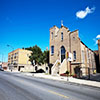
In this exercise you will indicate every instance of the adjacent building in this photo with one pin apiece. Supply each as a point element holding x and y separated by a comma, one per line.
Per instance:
<point>97,57</point>
<point>99,52</point>
<point>19,60</point>
<point>5,65</point>
<point>69,53</point>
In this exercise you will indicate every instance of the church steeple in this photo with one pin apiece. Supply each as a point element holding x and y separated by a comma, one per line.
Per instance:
<point>61,22</point>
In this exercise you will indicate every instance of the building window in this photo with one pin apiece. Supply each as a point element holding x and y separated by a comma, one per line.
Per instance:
<point>87,56</point>
<point>12,62</point>
<point>52,50</point>
<point>11,56</point>
<point>62,53</point>
<point>52,35</point>
<point>62,36</point>
<point>15,54</point>
<point>74,55</point>
<point>83,57</point>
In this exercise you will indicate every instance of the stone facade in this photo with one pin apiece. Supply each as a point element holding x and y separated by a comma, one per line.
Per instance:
<point>63,41</point>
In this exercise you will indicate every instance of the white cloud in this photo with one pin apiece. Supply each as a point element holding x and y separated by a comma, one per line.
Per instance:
<point>98,37</point>
<point>96,41</point>
<point>83,13</point>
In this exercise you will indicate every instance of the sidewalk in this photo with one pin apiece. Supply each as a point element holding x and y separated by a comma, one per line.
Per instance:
<point>65,79</point>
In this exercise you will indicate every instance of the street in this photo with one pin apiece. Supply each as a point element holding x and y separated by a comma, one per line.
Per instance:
<point>15,86</point>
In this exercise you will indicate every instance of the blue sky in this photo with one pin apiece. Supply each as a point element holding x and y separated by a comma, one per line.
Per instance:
<point>24,23</point>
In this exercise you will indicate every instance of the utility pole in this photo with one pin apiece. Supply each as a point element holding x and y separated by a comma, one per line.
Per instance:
<point>2,58</point>
<point>12,51</point>
<point>70,52</point>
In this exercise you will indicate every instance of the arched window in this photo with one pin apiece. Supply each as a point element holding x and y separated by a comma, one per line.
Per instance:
<point>62,50</point>
<point>62,53</point>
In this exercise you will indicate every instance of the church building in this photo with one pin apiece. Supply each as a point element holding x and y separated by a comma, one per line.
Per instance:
<point>68,52</point>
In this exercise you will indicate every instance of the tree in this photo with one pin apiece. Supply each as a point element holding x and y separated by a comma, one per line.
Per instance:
<point>36,55</point>
<point>46,57</point>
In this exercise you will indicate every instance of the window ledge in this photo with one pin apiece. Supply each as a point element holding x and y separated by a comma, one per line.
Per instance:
<point>52,54</point>
<point>74,60</point>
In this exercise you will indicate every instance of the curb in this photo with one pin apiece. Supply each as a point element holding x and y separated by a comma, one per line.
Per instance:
<point>64,79</point>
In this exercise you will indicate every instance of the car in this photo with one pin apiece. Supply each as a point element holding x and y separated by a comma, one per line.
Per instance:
<point>1,69</point>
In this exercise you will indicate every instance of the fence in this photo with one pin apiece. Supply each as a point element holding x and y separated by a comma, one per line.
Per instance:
<point>84,71</point>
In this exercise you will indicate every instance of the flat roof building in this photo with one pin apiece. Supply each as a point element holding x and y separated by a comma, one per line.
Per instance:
<point>18,59</point>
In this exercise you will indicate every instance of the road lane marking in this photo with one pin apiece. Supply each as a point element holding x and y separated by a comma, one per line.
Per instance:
<point>58,94</point>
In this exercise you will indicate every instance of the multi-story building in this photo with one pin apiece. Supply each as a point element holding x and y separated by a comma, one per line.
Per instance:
<point>19,59</point>
<point>64,42</point>
<point>97,52</point>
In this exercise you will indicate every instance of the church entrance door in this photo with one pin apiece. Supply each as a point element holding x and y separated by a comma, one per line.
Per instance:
<point>62,53</point>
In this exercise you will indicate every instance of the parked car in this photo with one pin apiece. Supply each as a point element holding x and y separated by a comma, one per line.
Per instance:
<point>1,69</point>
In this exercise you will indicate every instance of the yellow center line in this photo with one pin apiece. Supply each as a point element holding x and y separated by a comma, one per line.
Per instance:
<point>58,94</point>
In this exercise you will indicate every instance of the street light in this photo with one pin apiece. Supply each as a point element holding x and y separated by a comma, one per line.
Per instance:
<point>10,46</point>
<point>12,51</point>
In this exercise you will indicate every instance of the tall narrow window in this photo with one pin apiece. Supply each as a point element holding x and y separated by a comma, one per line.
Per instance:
<point>74,55</point>
<point>52,50</point>
<point>62,36</point>
<point>62,53</point>
<point>83,57</point>
<point>87,56</point>
<point>52,35</point>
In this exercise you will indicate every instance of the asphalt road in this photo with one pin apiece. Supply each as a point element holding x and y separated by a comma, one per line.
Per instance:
<point>15,86</point>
